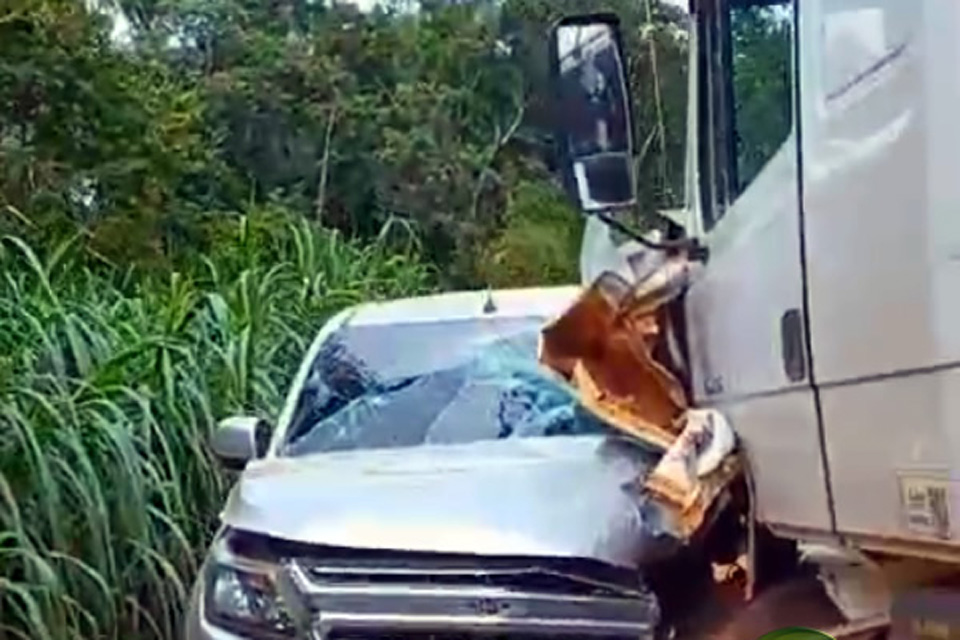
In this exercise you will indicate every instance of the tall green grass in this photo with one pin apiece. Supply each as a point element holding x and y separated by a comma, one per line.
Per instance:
<point>110,384</point>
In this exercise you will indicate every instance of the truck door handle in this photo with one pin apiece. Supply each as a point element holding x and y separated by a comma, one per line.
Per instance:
<point>791,345</point>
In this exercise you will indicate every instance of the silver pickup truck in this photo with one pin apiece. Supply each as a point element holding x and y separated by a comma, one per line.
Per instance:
<point>427,478</point>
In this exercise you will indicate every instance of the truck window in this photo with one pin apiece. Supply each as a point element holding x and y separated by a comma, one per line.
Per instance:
<point>745,106</point>
<point>761,51</point>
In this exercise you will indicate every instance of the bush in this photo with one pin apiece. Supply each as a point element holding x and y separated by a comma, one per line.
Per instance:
<point>540,242</point>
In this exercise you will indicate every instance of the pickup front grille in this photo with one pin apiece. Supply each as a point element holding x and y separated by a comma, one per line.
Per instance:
<point>449,600</point>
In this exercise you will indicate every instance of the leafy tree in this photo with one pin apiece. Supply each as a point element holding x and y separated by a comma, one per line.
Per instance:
<point>534,247</point>
<point>88,133</point>
<point>348,118</point>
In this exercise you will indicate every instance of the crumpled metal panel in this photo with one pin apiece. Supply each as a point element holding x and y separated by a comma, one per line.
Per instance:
<point>695,469</point>
<point>539,497</point>
<point>603,344</point>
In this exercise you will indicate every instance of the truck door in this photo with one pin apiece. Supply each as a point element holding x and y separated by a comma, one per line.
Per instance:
<point>747,314</point>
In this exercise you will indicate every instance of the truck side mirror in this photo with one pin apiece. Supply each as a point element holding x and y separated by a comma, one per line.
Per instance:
<point>240,439</point>
<point>593,116</point>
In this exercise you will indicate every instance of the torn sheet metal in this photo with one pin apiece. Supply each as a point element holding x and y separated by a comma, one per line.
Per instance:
<point>695,469</point>
<point>703,444</point>
<point>604,346</point>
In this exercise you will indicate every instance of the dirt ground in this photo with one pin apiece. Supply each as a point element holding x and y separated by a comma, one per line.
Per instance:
<point>724,616</point>
<point>797,602</point>
<point>698,608</point>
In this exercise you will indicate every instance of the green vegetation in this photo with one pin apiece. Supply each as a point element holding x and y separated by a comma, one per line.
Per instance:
<point>182,204</point>
<point>200,109</point>
<point>109,387</point>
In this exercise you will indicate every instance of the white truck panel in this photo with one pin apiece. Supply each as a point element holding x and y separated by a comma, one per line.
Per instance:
<point>784,452</point>
<point>881,161</point>
<point>865,145</point>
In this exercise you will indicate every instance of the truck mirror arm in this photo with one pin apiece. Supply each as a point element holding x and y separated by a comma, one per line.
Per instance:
<point>696,251</point>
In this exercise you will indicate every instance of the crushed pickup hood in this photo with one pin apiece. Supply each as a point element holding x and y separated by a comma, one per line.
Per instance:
<point>540,497</point>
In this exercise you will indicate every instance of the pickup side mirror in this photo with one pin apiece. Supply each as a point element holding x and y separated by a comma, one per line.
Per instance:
<point>594,124</point>
<point>240,439</point>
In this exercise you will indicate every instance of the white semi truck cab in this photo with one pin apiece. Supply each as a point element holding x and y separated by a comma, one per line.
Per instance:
<point>823,179</point>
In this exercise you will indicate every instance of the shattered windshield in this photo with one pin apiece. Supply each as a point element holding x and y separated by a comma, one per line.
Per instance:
<point>403,385</point>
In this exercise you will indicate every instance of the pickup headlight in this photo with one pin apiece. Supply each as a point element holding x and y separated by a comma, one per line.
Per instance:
<point>246,602</point>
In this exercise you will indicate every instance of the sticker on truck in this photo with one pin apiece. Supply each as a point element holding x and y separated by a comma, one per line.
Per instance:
<point>925,505</point>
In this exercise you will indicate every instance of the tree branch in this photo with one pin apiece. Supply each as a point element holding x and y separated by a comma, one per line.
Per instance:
<point>657,98</point>
<point>325,164</point>
<point>499,142</point>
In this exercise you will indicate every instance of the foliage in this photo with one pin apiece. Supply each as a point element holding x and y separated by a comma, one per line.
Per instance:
<point>87,133</point>
<point>111,384</point>
<point>761,85</point>
<point>534,247</point>
<point>343,117</point>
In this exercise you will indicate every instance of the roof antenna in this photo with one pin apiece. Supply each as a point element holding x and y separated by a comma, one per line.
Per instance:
<point>489,306</point>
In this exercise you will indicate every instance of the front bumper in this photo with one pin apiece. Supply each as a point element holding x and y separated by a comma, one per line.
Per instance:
<point>446,598</point>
